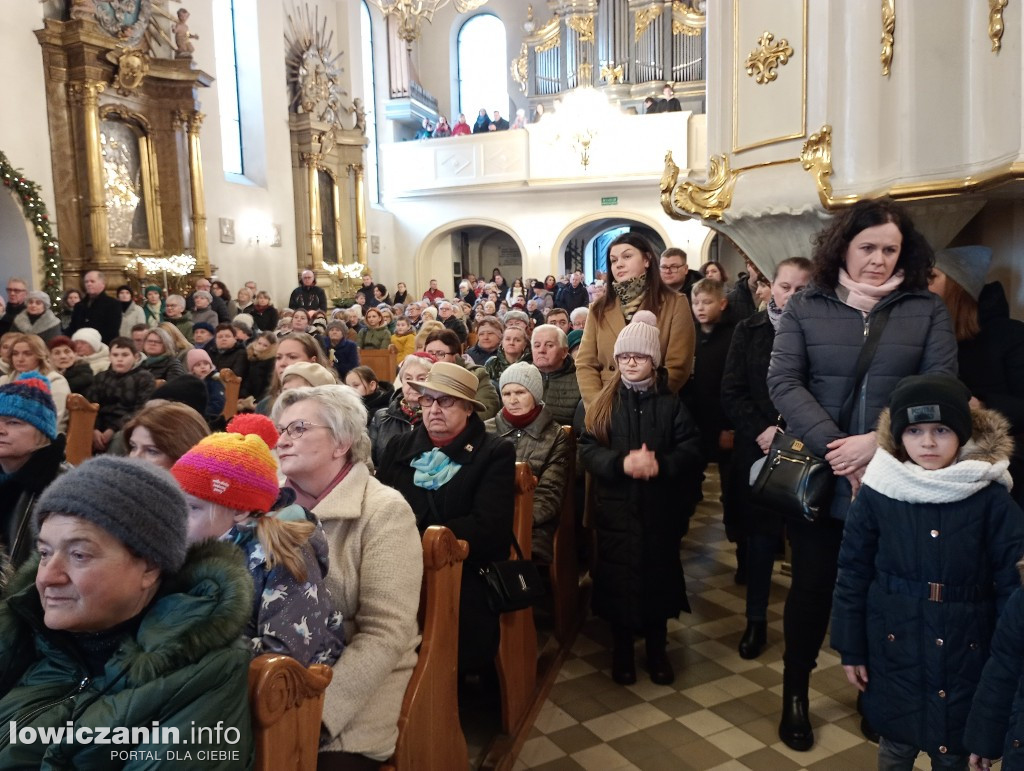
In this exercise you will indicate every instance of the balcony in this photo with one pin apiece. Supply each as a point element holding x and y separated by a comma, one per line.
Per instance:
<point>624,149</point>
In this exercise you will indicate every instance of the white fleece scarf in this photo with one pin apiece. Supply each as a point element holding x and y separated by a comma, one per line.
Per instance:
<point>910,483</point>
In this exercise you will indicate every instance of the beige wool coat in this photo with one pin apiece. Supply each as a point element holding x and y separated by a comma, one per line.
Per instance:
<point>595,363</point>
<point>375,574</point>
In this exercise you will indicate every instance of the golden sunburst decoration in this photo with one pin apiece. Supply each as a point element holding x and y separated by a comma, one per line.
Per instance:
<point>314,73</point>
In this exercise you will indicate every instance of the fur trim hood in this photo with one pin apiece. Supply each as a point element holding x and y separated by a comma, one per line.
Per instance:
<point>253,355</point>
<point>201,608</point>
<point>990,436</point>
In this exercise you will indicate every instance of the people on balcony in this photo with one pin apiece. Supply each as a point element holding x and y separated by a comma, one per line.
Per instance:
<point>461,128</point>
<point>483,123</point>
<point>498,123</point>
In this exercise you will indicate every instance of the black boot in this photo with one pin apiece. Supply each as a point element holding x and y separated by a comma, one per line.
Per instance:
<point>658,665</point>
<point>754,639</point>
<point>623,661</point>
<point>795,727</point>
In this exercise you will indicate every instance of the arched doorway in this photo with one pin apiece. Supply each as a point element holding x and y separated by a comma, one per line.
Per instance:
<point>586,247</point>
<point>17,250</point>
<point>461,248</point>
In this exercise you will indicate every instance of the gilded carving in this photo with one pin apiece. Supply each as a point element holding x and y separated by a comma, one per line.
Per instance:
<point>519,68</point>
<point>584,26</point>
<point>644,17</point>
<point>612,75</point>
<point>132,68</point>
<point>552,42</point>
<point>584,72</point>
<point>687,20</point>
<point>126,20</point>
<point>668,182</point>
<point>816,157</point>
<point>711,199</point>
<point>888,34</point>
<point>995,23</point>
<point>87,93</point>
<point>763,62</point>
<point>314,74</point>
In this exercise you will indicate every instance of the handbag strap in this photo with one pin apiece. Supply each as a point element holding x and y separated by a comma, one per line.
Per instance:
<point>515,545</point>
<point>867,352</point>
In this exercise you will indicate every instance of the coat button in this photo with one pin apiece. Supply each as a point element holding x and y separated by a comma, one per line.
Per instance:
<point>943,749</point>
<point>1015,744</point>
<point>974,646</point>
<point>890,637</point>
<point>935,533</point>
<point>942,694</point>
<point>939,642</point>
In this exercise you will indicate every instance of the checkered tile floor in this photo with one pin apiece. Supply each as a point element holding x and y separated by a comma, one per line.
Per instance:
<point>721,713</point>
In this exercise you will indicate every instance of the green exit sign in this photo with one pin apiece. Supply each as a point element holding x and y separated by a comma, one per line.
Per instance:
<point>611,200</point>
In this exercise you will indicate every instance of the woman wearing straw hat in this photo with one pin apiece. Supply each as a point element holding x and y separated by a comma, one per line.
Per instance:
<point>453,473</point>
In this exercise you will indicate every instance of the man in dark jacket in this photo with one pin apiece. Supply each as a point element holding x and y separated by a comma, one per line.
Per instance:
<point>308,295</point>
<point>447,316</point>
<point>574,294</point>
<point>17,293</point>
<point>742,302</point>
<point>366,290</point>
<point>550,348</point>
<point>97,309</point>
<point>675,273</point>
<point>227,352</point>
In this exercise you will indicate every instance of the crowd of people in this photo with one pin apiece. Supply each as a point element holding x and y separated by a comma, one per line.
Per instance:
<point>303,515</point>
<point>484,123</point>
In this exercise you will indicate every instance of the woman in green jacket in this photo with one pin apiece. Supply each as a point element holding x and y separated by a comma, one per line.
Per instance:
<point>116,631</point>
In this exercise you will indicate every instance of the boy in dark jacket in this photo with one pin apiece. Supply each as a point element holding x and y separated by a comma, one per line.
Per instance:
<point>120,391</point>
<point>927,562</point>
<point>226,352</point>
<point>702,394</point>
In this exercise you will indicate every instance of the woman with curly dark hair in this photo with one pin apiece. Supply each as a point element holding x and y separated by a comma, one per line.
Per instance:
<point>869,263</point>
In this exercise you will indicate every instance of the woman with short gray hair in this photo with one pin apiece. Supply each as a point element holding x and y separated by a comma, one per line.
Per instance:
<point>376,568</point>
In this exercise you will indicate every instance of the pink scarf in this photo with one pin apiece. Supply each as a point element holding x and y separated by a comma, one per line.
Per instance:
<point>865,297</point>
<point>310,501</point>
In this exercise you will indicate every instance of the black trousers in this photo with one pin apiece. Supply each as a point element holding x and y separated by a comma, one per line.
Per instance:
<point>809,604</point>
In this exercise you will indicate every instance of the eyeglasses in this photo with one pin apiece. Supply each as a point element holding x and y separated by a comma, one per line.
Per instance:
<point>297,428</point>
<point>426,402</point>
<point>636,358</point>
<point>15,290</point>
<point>671,268</point>
<point>440,354</point>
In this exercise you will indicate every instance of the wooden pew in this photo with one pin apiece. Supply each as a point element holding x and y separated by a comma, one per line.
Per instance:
<point>287,702</point>
<point>232,385</point>
<point>81,422</point>
<point>564,569</point>
<point>429,734</point>
<point>383,363</point>
<point>516,661</point>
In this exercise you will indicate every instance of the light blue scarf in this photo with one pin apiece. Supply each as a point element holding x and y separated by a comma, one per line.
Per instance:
<point>433,469</point>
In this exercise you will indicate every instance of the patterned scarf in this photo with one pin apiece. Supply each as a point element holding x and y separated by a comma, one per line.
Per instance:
<point>774,313</point>
<point>433,469</point>
<point>631,293</point>
<point>414,414</point>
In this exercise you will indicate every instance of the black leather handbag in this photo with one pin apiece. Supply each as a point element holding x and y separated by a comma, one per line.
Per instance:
<point>796,482</point>
<point>793,481</point>
<point>513,584</point>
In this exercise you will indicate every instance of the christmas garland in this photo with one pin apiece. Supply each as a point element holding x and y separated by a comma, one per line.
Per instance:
<point>35,212</point>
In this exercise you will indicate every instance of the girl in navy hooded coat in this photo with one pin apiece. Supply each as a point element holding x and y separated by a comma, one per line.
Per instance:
<point>927,562</point>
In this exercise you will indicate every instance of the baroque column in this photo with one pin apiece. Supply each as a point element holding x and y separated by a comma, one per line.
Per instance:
<point>360,193</point>
<point>312,162</point>
<point>195,169</point>
<point>87,95</point>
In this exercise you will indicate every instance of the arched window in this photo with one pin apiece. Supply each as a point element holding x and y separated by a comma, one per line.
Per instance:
<point>483,59</point>
<point>369,104</point>
<point>225,45</point>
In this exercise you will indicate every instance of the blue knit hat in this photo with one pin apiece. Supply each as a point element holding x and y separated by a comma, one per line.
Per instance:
<point>203,325</point>
<point>28,398</point>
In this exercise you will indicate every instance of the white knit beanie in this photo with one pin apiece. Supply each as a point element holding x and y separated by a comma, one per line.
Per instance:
<point>525,374</point>
<point>641,336</point>
<point>90,336</point>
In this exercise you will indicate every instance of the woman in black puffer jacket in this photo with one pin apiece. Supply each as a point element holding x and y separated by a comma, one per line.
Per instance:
<point>870,258</point>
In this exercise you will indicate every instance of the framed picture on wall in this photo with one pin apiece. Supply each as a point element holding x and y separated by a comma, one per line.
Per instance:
<point>227,230</point>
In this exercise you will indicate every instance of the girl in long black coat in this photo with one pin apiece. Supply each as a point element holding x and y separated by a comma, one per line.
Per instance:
<point>640,447</point>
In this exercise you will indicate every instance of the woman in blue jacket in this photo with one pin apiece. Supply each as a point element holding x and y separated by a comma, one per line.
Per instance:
<point>870,258</point>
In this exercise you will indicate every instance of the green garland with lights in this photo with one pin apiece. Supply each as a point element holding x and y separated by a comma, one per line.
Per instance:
<point>35,212</point>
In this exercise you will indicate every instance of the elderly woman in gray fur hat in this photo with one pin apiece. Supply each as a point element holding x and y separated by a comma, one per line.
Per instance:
<point>990,345</point>
<point>113,626</point>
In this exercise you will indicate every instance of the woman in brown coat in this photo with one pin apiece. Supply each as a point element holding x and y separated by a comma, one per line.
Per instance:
<point>634,282</point>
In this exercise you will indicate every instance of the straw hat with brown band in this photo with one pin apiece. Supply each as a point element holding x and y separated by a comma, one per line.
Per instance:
<point>453,380</point>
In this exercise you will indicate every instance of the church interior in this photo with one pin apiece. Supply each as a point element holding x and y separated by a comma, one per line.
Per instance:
<point>249,140</point>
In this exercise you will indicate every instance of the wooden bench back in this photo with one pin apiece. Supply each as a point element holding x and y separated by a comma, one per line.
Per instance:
<point>516,661</point>
<point>81,422</point>
<point>232,385</point>
<point>429,733</point>
<point>564,568</point>
<point>383,363</point>
<point>287,702</point>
